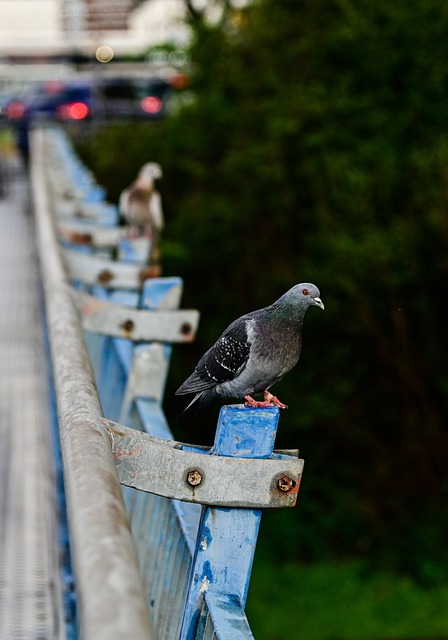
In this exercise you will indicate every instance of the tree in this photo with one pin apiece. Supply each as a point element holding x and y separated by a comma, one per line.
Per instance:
<point>316,150</point>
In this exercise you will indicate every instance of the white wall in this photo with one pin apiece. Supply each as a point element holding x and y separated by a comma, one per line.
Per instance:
<point>160,21</point>
<point>154,22</point>
<point>29,24</point>
<point>36,26</point>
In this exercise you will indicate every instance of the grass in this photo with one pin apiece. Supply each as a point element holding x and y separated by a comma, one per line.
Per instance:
<point>6,141</point>
<point>339,602</point>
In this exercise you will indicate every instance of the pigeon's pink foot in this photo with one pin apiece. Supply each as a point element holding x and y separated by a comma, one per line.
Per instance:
<point>250,402</point>
<point>268,401</point>
<point>274,400</point>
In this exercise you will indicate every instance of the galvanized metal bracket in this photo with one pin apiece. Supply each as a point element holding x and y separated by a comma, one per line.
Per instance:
<point>71,206</point>
<point>93,270</point>
<point>185,472</point>
<point>119,321</point>
<point>89,234</point>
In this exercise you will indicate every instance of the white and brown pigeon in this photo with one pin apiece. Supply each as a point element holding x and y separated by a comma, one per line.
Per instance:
<point>141,206</point>
<point>252,354</point>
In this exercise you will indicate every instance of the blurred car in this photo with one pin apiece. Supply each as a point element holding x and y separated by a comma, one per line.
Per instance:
<point>123,98</point>
<point>58,100</point>
<point>100,98</point>
<point>13,99</point>
<point>84,100</point>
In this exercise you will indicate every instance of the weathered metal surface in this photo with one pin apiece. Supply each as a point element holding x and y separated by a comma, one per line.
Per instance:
<point>149,369</point>
<point>227,537</point>
<point>31,584</point>
<point>164,530</point>
<point>162,294</point>
<point>164,557</point>
<point>134,250</point>
<point>69,179</point>
<point>99,212</point>
<point>103,236</point>
<point>84,233</point>
<point>147,376</point>
<point>103,552</point>
<point>163,467</point>
<point>165,533</point>
<point>148,416</point>
<point>92,270</point>
<point>118,321</point>
<point>228,617</point>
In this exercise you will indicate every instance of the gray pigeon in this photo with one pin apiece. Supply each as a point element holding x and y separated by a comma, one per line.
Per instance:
<point>252,354</point>
<point>140,203</point>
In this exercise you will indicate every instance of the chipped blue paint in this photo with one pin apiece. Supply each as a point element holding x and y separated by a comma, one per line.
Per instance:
<point>226,540</point>
<point>228,617</point>
<point>245,433</point>
<point>207,572</point>
<point>127,251</point>
<point>156,293</point>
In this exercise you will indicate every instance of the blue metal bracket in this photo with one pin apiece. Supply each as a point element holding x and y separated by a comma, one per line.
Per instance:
<point>227,537</point>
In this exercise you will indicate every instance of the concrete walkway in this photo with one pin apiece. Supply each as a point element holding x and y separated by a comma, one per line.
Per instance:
<point>30,589</point>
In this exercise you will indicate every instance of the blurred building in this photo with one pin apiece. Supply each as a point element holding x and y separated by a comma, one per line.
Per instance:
<point>29,25</point>
<point>60,27</point>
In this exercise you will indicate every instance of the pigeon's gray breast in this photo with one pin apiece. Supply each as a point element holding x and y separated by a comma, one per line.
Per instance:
<point>272,355</point>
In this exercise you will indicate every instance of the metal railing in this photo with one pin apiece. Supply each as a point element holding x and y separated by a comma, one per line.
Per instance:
<point>169,554</point>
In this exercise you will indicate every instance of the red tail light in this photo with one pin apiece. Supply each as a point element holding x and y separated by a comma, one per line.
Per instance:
<point>73,111</point>
<point>152,104</point>
<point>15,110</point>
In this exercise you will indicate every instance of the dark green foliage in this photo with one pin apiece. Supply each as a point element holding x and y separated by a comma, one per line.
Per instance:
<point>333,601</point>
<point>316,149</point>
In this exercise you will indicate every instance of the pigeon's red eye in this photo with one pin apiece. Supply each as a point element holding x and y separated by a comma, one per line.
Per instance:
<point>305,292</point>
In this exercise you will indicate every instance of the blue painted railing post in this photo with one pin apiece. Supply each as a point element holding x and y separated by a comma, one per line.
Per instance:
<point>227,538</point>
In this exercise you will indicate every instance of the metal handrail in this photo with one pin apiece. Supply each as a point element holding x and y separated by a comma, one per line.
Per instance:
<point>111,602</point>
<point>183,573</point>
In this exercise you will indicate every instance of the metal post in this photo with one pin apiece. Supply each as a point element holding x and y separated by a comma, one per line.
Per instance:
<point>110,599</point>
<point>227,538</point>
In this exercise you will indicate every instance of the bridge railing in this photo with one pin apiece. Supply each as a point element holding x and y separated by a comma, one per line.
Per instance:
<point>167,555</point>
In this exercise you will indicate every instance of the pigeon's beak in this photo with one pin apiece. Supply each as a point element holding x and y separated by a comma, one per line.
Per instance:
<point>318,302</point>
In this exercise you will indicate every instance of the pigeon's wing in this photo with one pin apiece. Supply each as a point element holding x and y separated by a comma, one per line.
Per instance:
<point>123,201</point>
<point>156,211</point>
<point>224,361</point>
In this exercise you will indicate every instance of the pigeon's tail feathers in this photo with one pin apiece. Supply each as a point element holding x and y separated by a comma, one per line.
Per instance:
<point>195,384</point>
<point>199,402</point>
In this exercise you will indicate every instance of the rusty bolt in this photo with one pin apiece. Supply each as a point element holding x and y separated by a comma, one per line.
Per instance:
<point>105,276</point>
<point>285,484</point>
<point>81,238</point>
<point>127,325</point>
<point>185,328</point>
<point>194,478</point>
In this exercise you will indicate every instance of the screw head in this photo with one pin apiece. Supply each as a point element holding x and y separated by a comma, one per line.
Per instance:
<point>194,478</point>
<point>185,328</point>
<point>105,276</point>
<point>285,484</point>
<point>127,325</point>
